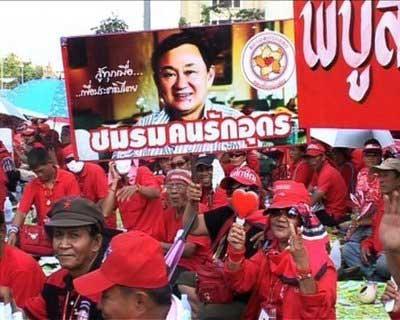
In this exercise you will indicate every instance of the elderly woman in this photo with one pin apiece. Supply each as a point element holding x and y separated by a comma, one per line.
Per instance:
<point>76,229</point>
<point>292,277</point>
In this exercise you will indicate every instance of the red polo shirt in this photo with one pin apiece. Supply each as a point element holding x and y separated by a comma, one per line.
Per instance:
<point>36,193</point>
<point>93,182</point>
<point>138,212</point>
<point>331,182</point>
<point>169,226</point>
<point>21,273</point>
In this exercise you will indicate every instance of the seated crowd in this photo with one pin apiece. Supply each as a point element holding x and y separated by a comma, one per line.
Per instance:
<point>257,228</point>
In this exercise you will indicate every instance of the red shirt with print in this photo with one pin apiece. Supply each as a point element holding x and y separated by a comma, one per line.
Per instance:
<point>331,182</point>
<point>21,273</point>
<point>168,228</point>
<point>37,194</point>
<point>139,212</point>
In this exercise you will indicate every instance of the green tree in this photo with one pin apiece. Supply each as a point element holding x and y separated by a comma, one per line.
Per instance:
<point>251,14</point>
<point>183,22</point>
<point>112,24</point>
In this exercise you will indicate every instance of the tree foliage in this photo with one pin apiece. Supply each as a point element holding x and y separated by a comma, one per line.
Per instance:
<point>231,15</point>
<point>112,24</point>
<point>14,67</point>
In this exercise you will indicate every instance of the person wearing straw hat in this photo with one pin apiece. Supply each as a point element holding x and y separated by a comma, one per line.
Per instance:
<point>134,285</point>
<point>293,265</point>
<point>76,229</point>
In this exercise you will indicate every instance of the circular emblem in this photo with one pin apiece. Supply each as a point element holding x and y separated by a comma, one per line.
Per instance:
<point>268,60</point>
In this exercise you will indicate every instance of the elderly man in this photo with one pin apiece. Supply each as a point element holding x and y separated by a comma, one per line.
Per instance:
<point>133,286</point>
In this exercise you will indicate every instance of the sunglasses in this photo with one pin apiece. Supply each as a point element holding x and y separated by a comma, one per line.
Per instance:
<point>289,213</point>
<point>178,164</point>
<point>236,154</point>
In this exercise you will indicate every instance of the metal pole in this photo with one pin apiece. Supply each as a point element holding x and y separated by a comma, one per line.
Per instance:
<point>147,15</point>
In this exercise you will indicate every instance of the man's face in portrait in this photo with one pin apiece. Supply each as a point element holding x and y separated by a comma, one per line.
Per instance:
<point>184,80</point>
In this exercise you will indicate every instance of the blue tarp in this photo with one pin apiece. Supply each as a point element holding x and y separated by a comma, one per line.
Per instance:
<point>45,96</point>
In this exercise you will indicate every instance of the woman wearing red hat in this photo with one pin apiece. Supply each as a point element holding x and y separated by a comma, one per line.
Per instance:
<point>293,266</point>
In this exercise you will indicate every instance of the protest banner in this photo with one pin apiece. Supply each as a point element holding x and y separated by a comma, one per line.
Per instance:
<point>348,59</point>
<point>178,91</point>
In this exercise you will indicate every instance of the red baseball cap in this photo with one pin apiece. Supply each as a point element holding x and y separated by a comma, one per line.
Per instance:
<point>315,149</point>
<point>133,259</point>
<point>244,175</point>
<point>288,193</point>
<point>68,152</point>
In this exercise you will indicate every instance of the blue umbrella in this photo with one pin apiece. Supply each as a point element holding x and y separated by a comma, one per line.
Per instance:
<point>45,96</point>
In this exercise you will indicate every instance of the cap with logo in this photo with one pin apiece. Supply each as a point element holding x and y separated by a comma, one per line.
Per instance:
<point>315,149</point>
<point>288,193</point>
<point>244,175</point>
<point>206,160</point>
<point>134,259</point>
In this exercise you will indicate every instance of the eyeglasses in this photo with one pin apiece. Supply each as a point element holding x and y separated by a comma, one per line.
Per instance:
<point>177,186</point>
<point>178,164</point>
<point>288,212</point>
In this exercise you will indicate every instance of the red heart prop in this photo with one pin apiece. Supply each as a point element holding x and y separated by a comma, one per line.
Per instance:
<point>244,202</point>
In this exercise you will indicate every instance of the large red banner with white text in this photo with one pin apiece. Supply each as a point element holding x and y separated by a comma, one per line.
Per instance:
<point>347,62</point>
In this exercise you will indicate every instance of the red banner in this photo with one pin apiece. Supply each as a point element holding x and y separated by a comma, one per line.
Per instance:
<point>348,59</point>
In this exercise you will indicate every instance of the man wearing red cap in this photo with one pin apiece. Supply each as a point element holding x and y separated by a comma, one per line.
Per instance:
<point>50,185</point>
<point>292,277</point>
<point>330,188</point>
<point>133,286</point>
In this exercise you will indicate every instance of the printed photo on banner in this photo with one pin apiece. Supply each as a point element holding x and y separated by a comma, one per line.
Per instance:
<point>179,91</point>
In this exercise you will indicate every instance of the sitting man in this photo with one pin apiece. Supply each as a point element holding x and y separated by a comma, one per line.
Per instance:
<point>330,189</point>
<point>370,257</point>
<point>133,286</point>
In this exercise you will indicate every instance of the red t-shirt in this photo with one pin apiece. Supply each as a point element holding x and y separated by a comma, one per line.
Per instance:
<point>220,198</point>
<point>138,212</point>
<point>168,228</point>
<point>93,182</point>
<point>36,193</point>
<point>330,181</point>
<point>302,172</point>
<point>21,273</point>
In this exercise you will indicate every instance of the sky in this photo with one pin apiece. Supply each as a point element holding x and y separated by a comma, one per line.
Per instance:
<point>32,29</point>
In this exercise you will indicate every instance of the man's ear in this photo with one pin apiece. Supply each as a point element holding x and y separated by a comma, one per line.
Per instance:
<point>210,76</point>
<point>141,302</point>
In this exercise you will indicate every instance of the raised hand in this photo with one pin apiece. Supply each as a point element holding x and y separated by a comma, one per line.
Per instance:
<point>390,293</point>
<point>389,228</point>
<point>237,237</point>
<point>194,192</point>
<point>126,192</point>
<point>297,249</point>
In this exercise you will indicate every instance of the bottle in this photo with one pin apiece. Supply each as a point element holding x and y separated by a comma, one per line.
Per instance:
<point>8,213</point>
<point>187,314</point>
<point>336,254</point>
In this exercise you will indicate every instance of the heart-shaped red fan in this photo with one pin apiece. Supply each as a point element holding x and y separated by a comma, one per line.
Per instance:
<point>244,202</point>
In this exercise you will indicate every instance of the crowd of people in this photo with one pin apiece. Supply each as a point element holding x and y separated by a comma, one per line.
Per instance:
<point>110,225</point>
